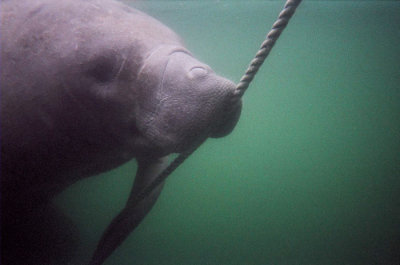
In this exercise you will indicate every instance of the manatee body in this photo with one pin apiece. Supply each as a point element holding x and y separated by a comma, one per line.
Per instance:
<point>87,85</point>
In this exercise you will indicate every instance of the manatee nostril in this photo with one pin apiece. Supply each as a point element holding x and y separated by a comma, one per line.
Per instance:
<point>197,72</point>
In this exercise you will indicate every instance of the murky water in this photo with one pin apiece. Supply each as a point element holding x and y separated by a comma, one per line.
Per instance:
<point>310,175</point>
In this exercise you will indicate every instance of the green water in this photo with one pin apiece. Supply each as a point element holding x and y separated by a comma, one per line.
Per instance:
<point>310,175</point>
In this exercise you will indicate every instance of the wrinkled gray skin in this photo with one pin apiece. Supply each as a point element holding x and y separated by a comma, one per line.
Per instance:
<point>85,87</point>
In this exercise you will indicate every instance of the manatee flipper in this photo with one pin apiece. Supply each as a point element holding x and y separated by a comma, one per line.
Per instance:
<point>133,213</point>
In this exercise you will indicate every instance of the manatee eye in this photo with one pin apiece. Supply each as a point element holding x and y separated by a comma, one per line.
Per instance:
<point>197,72</point>
<point>102,69</point>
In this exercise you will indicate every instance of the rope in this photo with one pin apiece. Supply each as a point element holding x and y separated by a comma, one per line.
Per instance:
<point>266,46</point>
<point>244,83</point>
<point>163,175</point>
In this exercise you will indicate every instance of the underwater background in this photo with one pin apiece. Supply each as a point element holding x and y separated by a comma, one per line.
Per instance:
<point>311,173</point>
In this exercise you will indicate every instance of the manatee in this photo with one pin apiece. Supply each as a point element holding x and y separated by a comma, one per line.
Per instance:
<point>86,86</point>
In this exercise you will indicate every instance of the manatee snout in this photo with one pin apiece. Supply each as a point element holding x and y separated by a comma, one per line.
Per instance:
<point>230,111</point>
<point>188,104</point>
<point>215,96</point>
<point>193,103</point>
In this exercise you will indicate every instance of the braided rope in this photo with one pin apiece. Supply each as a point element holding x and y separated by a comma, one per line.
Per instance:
<point>266,46</point>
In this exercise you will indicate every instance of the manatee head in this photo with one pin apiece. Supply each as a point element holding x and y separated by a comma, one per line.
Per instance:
<point>181,101</point>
